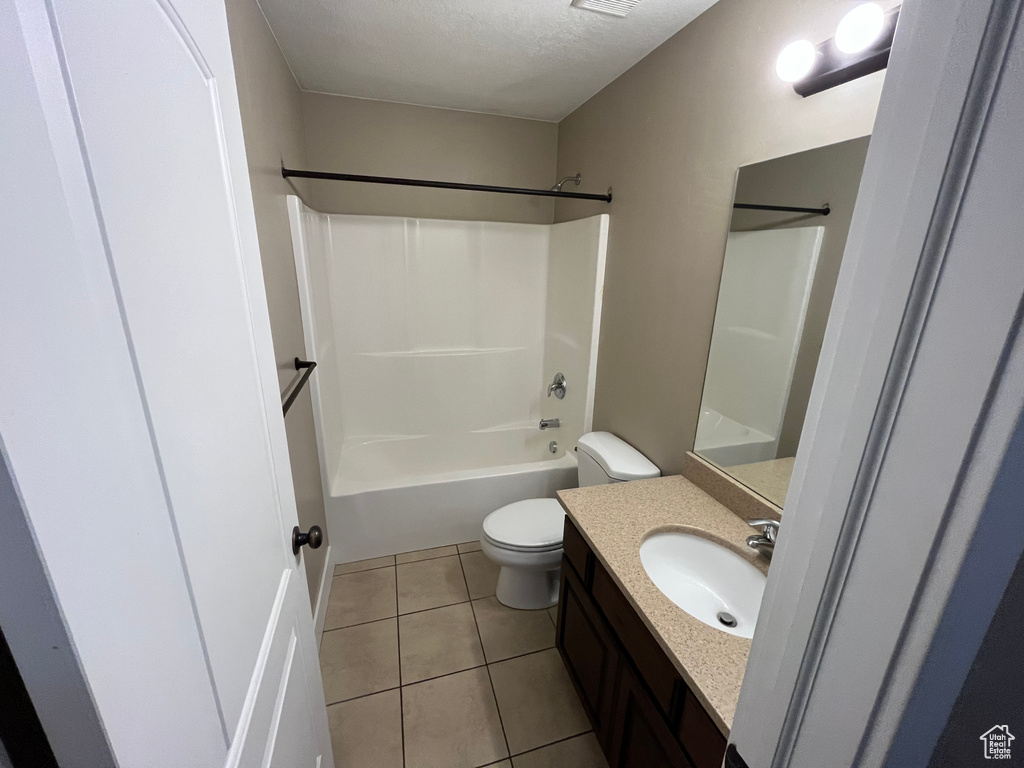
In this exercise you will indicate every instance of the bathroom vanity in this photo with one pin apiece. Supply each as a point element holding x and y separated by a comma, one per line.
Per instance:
<point>659,686</point>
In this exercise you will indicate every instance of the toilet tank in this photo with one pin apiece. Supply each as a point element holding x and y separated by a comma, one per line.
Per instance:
<point>604,458</point>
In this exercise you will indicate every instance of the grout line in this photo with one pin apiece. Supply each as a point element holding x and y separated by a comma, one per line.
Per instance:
<point>501,722</point>
<point>476,624</point>
<point>426,559</point>
<point>449,674</point>
<point>410,613</point>
<point>446,605</point>
<point>437,607</point>
<point>363,696</point>
<point>519,656</point>
<point>401,698</point>
<point>398,630</point>
<point>436,677</point>
<point>362,570</point>
<point>401,721</point>
<point>475,666</point>
<point>353,626</point>
<point>336,575</point>
<point>446,674</point>
<point>545,746</point>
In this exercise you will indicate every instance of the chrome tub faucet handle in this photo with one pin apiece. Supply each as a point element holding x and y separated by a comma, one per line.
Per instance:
<point>557,386</point>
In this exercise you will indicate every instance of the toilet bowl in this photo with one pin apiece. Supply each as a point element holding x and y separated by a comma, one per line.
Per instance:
<point>525,537</point>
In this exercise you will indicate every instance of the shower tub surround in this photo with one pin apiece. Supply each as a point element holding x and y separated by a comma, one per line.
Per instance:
<point>435,342</point>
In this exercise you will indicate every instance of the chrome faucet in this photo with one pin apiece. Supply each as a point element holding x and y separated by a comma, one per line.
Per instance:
<point>764,542</point>
<point>549,424</point>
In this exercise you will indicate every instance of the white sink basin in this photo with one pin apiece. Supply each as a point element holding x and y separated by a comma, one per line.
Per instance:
<point>708,581</point>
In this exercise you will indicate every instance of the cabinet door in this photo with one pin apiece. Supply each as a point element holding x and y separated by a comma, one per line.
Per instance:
<point>589,651</point>
<point>700,737</point>
<point>641,738</point>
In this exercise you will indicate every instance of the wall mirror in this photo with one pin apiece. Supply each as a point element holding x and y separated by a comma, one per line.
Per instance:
<point>778,278</point>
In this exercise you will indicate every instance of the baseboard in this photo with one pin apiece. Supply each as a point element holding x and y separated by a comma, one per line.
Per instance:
<point>320,614</point>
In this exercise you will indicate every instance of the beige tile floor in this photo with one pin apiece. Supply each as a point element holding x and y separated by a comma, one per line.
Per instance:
<point>424,668</point>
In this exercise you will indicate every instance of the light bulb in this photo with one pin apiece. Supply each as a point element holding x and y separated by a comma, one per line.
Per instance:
<point>795,61</point>
<point>859,28</point>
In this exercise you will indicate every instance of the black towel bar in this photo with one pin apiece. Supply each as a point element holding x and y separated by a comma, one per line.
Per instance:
<point>309,365</point>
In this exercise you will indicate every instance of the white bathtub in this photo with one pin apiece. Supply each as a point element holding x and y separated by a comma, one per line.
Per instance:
<point>401,494</point>
<point>435,343</point>
<point>371,464</point>
<point>727,443</point>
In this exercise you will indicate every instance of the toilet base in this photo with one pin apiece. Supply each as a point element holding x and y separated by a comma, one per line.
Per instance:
<point>527,590</point>
<point>528,581</point>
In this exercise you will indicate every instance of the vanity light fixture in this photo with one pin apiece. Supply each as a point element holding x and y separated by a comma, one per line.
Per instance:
<point>860,28</point>
<point>796,61</point>
<point>861,46</point>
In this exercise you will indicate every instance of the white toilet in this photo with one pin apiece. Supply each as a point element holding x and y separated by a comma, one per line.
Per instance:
<point>525,537</point>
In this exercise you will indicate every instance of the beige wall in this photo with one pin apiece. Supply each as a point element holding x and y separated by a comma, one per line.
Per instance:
<point>668,136</point>
<point>830,175</point>
<point>380,138</point>
<point>272,123</point>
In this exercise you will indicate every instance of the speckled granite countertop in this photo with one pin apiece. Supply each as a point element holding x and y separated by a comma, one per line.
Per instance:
<point>615,519</point>
<point>768,478</point>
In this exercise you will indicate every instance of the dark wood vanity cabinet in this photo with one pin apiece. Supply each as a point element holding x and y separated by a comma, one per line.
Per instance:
<point>589,651</point>
<point>641,736</point>
<point>642,712</point>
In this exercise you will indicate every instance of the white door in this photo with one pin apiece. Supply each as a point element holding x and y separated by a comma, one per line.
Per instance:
<point>140,415</point>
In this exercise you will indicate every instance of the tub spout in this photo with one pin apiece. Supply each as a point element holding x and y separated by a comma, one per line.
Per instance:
<point>549,424</point>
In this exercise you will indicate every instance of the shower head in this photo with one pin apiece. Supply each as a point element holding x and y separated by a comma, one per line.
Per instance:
<point>575,179</point>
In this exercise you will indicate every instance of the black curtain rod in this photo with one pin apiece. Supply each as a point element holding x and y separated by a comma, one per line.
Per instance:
<point>291,172</point>
<point>784,208</point>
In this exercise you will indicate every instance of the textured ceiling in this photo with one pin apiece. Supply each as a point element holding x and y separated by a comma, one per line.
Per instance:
<point>527,58</point>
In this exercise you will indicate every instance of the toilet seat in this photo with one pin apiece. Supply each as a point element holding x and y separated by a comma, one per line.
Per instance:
<point>533,525</point>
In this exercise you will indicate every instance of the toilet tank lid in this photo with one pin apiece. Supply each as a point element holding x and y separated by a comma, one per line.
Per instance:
<point>617,458</point>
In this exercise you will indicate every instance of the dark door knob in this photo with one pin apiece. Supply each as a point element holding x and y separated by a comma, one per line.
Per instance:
<point>314,538</point>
